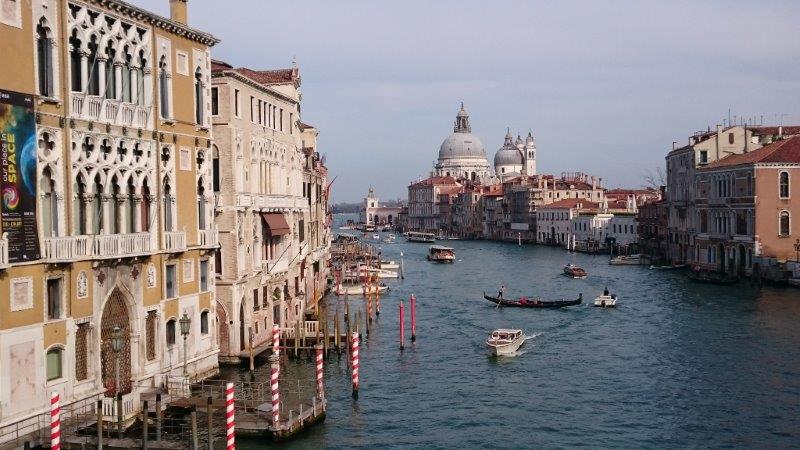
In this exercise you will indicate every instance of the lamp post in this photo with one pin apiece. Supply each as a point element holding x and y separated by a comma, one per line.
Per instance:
<point>185,322</point>
<point>116,345</point>
<point>797,251</point>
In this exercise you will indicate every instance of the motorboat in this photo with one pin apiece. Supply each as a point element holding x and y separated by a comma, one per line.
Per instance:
<point>376,236</point>
<point>441,254</point>
<point>363,271</point>
<point>576,272</point>
<point>533,302</point>
<point>626,260</point>
<point>389,239</point>
<point>606,300</point>
<point>357,289</point>
<point>389,265</point>
<point>415,236</point>
<point>673,267</point>
<point>505,342</point>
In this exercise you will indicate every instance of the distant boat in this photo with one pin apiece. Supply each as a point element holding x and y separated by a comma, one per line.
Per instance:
<point>415,236</point>
<point>606,300</point>
<point>356,289</point>
<point>535,302</point>
<point>626,260</point>
<point>389,265</point>
<point>576,272</point>
<point>704,276</point>
<point>676,266</point>
<point>505,342</point>
<point>438,253</point>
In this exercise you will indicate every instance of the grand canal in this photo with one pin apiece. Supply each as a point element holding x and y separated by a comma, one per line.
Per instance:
<point>675,365</point>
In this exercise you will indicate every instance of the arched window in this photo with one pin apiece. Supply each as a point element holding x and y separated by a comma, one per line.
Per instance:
<point>49,207</point>
<point>116,225</point>
<point>127,89</point>
<point>170,332</point>
<point>198,97</point>
<point>44,58</point>
<point>97,206</point>
<point>730,138</point>
<point>167,206</point>
<point>139,88</point>
<point>76,83</point>
<point>201,205</point>
<point>163,88</point>
<point>784,223</point>
<point>749,184</point>
<point>215,169</point>
<point>130,211</point>
<point>783,185</point>
<point>55,369</point>
<point>80,207</point>
<point>111,80</point>
<point>94,73</point>
<point>145,212</point>
<point>204,322</point>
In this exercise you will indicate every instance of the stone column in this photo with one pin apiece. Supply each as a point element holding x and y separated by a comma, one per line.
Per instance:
<point>134,85</point>
<point>84,71</point>
<point>118,80</point>
<point>101,77</point>
<point>122,212</point>
<point>137,214</point>
<point>105,206</point>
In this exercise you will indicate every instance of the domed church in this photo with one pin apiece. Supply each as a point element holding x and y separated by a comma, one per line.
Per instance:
<point>462,154</point>
<point>515,158</point>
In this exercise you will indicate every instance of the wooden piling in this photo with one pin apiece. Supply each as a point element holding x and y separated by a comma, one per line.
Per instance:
<point>413,318</point>
<point>99,424</point>
<point>144,425</point>
<point>193,418</point>
<point>210,422</point>
<point>297,339</point>
<point>402,328</point>
<point>119,414</point>
<point>158,417</point>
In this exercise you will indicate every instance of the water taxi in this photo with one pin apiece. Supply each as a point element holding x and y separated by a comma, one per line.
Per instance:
<point>415,236</point>
<point>576,272</point>
<point>606,300</point>
<point>390,265</point>
<point>505,342</point>
<point>356,289</point>
<point>438,253</point>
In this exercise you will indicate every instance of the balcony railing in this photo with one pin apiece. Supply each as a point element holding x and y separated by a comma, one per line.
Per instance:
<point>68,248</point>
<point>109,110</point>
<point>209,238</point>
<point>175,241</point>
<point>271,201</point>
<point>3,252</point>
<point>273,267</point>
<point>119,245</point>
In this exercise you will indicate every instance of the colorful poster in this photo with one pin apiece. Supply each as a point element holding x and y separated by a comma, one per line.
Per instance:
<point>18,176</point>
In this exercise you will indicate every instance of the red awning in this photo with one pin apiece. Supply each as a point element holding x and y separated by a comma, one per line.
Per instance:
<point>276,223</point>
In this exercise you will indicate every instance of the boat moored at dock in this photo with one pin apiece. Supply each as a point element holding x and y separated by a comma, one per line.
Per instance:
<point>626,260</point>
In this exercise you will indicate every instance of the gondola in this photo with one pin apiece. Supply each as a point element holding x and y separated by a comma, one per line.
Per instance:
<point>525,302</point>
<point>711,278</point>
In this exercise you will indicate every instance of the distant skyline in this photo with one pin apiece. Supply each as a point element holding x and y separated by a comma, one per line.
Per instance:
<point>605,87</point>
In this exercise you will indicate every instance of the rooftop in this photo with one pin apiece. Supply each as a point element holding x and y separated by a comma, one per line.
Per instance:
<point>783,151</point>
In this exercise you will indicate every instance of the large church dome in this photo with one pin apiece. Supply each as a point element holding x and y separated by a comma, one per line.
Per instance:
<point>462,143</point>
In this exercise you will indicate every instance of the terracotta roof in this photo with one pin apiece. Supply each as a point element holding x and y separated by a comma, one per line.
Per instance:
<point>449,190</point>
<point>304,126</point>
<point>437,181</point>
<point>569,203</point>
<point>279,76</point>
<point>789,130</point>
<point>217,65</point>
<point>783,151</point>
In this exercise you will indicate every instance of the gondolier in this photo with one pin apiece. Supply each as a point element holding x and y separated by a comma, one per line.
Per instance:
<point>534,302</point>
<point>502,291</point>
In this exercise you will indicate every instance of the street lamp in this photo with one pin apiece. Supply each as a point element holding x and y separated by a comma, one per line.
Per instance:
<point>117,341</point>
<point>185,322</point>
<point>797,251</point>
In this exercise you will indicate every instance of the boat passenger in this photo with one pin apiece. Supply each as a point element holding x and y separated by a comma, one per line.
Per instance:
<point>605,292</point>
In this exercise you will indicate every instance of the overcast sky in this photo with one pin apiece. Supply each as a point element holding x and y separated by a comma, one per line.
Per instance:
<point>606,87</point>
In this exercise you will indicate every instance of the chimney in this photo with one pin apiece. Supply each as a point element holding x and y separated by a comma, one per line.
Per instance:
<point>674,144</point>
<point>178,11</point>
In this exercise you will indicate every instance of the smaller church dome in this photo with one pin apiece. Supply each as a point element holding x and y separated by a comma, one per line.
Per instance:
<point>508,154</point>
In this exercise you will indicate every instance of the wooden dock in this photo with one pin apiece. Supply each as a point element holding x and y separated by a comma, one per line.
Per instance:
<point>260,424</point>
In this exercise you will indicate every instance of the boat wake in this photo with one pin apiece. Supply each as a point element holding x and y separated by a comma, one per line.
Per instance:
<point>532,336</point>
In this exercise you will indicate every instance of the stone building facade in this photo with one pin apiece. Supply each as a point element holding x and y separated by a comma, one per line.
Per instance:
<point>271,205</point>
<point>120,173</point>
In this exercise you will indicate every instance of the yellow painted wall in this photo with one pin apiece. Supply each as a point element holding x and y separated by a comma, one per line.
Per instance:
<point>11,319</point>
<point>55,333</point>
<point>81,307</point>
<point>171,309</point>
<point>17,44</point>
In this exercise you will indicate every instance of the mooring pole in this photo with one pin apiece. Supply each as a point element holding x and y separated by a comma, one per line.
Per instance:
<point>144,425</point>
<point>210,422</point>
<point>354,356</point>
<point>402,327</point>
<point>55,422</point>
<point>413,318</point>
<point>158,417</point>
<point>230,422</point>
<point>275,390</point>
<point>193,416</point>
<point>119,414</point>
<point>99,424</point>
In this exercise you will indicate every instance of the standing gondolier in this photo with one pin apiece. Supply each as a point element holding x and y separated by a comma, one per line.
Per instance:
<point>502,291</point>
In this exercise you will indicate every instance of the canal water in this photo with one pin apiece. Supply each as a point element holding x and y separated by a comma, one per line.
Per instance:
<point>677,364</point>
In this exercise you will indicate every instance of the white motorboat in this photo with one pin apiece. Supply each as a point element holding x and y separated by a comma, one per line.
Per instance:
<point>390,265</point>
<point>606,300</point>
<point>357,289</point>
<point>626,260</point>
<point>505,342</point>
<point>376,236</point>
<point>414,236</point>
<point>438,253</point>
<point>372,271</point>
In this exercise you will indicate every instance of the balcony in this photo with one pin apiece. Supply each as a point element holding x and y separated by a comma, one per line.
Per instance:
<point>271,202</point>
<point>67,248</point>
<point>3,252</point>
<point>122,245</point>
<point>174,241</point>
<point>108,110</point>
<point>209,238</point>
<point>275,267</point>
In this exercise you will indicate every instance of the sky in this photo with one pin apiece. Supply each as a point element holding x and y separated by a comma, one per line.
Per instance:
<point>605,86</point>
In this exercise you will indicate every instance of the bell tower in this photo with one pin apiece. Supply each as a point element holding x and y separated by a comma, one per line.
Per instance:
<point>530,155</point>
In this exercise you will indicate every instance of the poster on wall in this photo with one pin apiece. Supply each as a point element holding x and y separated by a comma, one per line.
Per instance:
<point>18,176</point>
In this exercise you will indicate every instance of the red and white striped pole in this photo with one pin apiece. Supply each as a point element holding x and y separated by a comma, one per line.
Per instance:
<point>276,339</point>
<point>402,327</point>
<point>320,385</point>
<point>413,318</point>
<point>276,394</point>
<point>230,423</point>
<point>55,422</point>
<point>354,353</point>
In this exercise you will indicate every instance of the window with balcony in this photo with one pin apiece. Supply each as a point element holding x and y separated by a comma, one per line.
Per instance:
<point>170,282</point>
<point>55,369</point>
<point>111,79</point>
<point>783,185</point>
<point>168,225</point>
<point>49,205</point>
<point>55,298</point>
<point>144,214</point>
<point>784,224</point>
<point>127,88</point>
<point>201,205</point>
